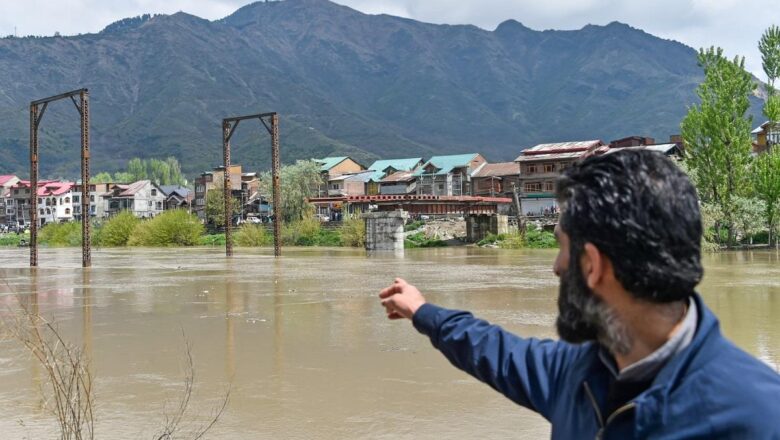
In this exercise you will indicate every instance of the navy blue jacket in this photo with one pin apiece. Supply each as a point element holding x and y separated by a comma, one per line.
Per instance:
<point>711,389</point>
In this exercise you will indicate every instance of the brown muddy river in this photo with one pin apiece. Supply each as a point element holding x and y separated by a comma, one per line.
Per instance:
<point>303,339</point>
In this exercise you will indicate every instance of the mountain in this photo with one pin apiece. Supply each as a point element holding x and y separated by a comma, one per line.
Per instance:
<point>344,83</point>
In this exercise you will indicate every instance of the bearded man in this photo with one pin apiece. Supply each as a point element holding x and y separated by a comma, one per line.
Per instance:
<point>641,355</point>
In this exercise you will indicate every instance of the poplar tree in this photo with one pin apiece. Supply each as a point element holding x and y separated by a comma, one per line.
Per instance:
<point>766,168</point>
<point>717,136</point>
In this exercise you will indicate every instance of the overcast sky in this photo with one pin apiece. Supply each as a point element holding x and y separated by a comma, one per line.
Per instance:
<point>735,25</point>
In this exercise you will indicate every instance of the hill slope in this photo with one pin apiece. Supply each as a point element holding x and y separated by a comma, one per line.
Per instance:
<point>344,83</point>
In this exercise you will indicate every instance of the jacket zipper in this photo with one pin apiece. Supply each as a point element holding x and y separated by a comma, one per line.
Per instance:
<point>603,425</point>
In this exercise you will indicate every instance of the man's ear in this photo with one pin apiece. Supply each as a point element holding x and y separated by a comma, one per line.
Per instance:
<point>593,265</point>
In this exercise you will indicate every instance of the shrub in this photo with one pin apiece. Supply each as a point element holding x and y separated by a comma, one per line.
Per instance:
<point>419,240</point>
<point>212,240</point>
<point>252,235</point>
<point>171,228</point>
<point>537,238</point>
<point>413,226</point>
<point>116,231</point>
<point>60,234</point>
<point>304,232</point>
<point>353,232</point>
<point>13,239</point>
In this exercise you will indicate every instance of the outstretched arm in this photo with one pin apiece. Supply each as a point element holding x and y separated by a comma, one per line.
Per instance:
<point>524,370</point>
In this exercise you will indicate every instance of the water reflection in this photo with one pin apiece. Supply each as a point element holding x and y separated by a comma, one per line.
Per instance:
<point>304,342</point>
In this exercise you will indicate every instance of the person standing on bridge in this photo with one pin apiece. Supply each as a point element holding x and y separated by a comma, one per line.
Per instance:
<point>641,355</point>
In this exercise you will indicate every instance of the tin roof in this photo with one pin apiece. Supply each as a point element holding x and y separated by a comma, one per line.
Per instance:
<point>498,169</point>
<point>55,189</point>
<point>445,164</point>
<point>360,177</point>
<point>6,178</point>
<point>661,148</point>
<point>398,176</point>
<point>327,163</point>
<point>380,166</point>
<point>560,147</point>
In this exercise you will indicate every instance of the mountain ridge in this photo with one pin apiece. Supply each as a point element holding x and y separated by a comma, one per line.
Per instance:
<point>343,82</point>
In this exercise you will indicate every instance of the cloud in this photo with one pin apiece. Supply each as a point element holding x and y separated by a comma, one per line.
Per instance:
<point>735,25</point>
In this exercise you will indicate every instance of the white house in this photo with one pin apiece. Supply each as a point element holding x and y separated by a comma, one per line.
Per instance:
<point>142,198</point>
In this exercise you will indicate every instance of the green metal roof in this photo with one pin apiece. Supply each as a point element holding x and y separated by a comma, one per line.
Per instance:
<point>330,162</point>
<point>445,164</point>
<point>398,164</point>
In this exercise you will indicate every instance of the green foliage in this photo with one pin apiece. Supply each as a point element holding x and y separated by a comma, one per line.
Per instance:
<point>101,178</point>
<point>60,234</point>
<point>171,228</point>
<point>766,182</point>
<point>302,232</point>
<point>537,238</point>
<point>297,182</point>
<point>711,219</point>
<point>353,231</point>
<point>769,46</point>
<point>116,231</point>
<point>253,235</point>
<point>215,205</point>
<point>420,240</point>
<point>717,133</point>
<point>13,239</point>
<point>749,216</point>
<point>213,240</point>
<point>413,226</point>
<point>161,172</point>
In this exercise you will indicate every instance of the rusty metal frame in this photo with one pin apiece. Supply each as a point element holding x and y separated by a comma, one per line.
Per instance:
<point>36,115</point>
<point>229,126</point>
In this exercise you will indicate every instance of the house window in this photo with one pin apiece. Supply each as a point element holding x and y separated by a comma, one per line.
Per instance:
<point>67,199</point>
<point>92,209</point>
<point>531,169</point>
<point>91,187</point>
<point>549,168</point>
<point>154,192</point>
<point>533,187</point>
<point>76,199</point>
<point>549,186</point>
<point>41,211</point>
<point>48,210</point>
<point>91,198</point>
<point>159,206</point>
<point>150,203</point>
<point>67,211</point>
<point>16,191</point>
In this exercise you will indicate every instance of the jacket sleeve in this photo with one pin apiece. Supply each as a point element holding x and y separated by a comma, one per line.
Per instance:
<point>527,371</point>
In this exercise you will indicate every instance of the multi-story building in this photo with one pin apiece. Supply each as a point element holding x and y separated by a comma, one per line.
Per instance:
<point>765,137</point>
<point>177,197</point>
<point>143,198</point>
<point>496,179</point>
<point>541,165</point>
<point>448,175</point>
<point>244,188</point>
<point>386,167</point>
<point>55,202</point>
<point>331,169</point>
<point>98,203</point>
<point>7,208</point>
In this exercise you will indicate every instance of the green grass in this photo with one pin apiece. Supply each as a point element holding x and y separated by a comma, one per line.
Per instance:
<point>419,240</point>
<point>13,239</point>
<point>535,238</point>
<point>212,240</point>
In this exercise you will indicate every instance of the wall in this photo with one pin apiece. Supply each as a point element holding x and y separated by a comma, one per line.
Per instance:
<point>478,226</point>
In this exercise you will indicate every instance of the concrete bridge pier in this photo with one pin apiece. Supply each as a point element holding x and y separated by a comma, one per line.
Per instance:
<point>385,230</point>
<point>478,226</point>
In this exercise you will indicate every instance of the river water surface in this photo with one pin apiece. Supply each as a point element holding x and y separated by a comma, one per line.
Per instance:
<point>302,341</point>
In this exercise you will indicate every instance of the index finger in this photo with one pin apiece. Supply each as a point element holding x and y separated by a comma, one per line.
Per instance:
<point>390,290</point>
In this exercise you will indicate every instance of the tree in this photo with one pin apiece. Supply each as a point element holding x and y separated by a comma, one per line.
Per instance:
<point>749,216</point>
<point>769,46</point>
<point>101,178</point>
<point>717,133</point>
<point>136,169</point>
<point>215,205</point>
<point>766,183</point>
<point>298,182</point>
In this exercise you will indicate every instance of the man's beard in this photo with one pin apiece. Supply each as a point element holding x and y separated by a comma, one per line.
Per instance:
<point>582,316</point>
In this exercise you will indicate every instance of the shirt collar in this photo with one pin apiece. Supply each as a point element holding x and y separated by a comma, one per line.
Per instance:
<point>647,367</point>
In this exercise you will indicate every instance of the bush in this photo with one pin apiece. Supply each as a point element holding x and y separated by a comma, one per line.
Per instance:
<point>419,240</point>
<point>353,232</point>
<point>60,234</point>
<point>413,226</point>
<point>537,238</point>
<point>252,235</point>
<point>212,240</point>
<point>304,232</point>
<point>13,239</point>
<point>117,230</point>
<point>171,228</point>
